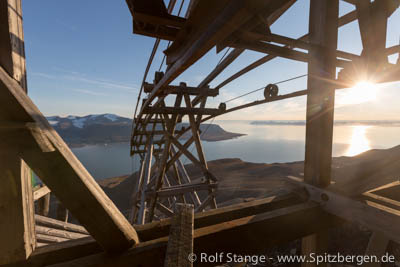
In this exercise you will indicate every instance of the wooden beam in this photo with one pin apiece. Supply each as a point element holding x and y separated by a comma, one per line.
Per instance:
<point>180,239</point>
<point>17,228</point>
<point>181,111</point>
<point>279,51</point>
<point>62,172</point>
<point>370,214</point>
<point>174,89</point>
<point>43,205</point>
<point>323,32</point>
<point>70,250</point>
<point>252,234</point>
<point>58,233</point>
<point>41,192</point>
<point>182,189</point>
<point>56,224</point>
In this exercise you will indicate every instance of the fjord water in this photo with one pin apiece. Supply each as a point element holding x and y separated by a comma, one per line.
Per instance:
<point>261,144</point>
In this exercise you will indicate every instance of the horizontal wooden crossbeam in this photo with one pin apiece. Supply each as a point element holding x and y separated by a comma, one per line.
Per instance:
<point>181,111</point>
<point>182,189</point>
<point>251,234</point>
<point>71,250</point>
<point>176,89</point>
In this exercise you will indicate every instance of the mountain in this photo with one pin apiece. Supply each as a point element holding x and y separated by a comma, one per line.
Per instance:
<point>111,128</point>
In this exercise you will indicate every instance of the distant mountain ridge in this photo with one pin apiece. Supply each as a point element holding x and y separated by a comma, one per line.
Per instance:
<point>394,123</point>
<point>111,128</point>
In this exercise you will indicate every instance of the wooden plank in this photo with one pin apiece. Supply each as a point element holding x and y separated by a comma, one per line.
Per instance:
<point>248,235</point>
<point>180,239</point>
<point>70,250</point>
<point>41,192</point>
<point>43,205</point>
<point>49,238</point>
<point>58,233</point>
<point>370,214</point>
<point>62,172</point>
<point>17,209</point>
<point>56,224</point>
<point>182,189</point>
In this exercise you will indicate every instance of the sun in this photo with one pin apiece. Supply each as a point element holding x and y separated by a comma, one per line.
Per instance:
<point>362,92</point>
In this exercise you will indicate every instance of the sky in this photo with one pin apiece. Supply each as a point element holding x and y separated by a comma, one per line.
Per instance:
<point>82,58</point>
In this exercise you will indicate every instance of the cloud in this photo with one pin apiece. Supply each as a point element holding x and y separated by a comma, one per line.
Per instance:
<point>90,92</point>
<point>79,77</point>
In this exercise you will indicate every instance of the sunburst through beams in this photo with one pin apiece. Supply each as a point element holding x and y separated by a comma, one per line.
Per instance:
<point>362,92</point>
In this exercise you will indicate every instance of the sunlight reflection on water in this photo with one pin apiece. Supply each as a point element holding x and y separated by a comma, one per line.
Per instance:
<point>359,142</point>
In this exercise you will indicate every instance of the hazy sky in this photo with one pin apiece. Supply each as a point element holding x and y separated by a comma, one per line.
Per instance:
<point>82,58</point>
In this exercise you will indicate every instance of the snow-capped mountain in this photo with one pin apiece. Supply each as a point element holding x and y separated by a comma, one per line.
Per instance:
<point>92,129</point>
<point>81,122</point>
<point>111,128</point>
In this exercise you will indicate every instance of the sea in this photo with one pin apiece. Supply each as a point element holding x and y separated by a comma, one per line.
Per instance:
<point>265,142</point>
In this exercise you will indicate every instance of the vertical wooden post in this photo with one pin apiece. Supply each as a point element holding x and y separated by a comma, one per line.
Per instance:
<point>62,212</point>
<point>180,241</point>
<point>16,198</point>
<point>43,205</point>
<point>320,105</point>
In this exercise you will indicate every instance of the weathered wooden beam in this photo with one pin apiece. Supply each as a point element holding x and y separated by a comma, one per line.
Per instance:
<point>17,232</point>
<point>41,192</point>
<point>74,249</point>
<point>370,214</point>
<point>250,234</point>
<point>180,239</point>
<point>168,20</point>
<point>65,175</point>
<point>43,205</point>
<point>56,224</point>
<point>279,51</point>
<point>292,43</point>
<point>175,89</point>
<point>49,238</point>
<point>182,189</point>
<point>323,32</point>
<point>181,111</point>
<point>58,233</point>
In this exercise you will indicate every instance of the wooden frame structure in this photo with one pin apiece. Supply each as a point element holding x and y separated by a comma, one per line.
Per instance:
<point>106,237</point>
